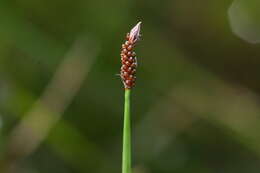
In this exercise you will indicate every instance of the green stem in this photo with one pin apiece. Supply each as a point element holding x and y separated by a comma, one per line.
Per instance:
<point>126,157</point>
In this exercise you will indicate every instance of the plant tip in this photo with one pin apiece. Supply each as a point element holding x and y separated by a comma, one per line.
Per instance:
<point>135,32</point>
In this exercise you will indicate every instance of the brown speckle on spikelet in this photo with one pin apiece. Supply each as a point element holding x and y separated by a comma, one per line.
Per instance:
<point>128,58</point>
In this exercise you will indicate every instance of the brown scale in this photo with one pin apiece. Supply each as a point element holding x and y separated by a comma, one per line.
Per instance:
<point>129,63</point>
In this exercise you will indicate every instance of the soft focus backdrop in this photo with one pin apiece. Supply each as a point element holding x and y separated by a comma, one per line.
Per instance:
<point>195,108</point>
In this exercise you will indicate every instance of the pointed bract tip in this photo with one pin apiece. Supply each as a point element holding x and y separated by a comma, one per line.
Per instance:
<point>135,32</point>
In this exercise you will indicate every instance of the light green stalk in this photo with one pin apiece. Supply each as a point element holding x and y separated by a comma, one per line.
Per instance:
<point>126,156</point>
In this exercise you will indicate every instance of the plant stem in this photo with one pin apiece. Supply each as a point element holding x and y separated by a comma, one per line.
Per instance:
<point>126,156</point>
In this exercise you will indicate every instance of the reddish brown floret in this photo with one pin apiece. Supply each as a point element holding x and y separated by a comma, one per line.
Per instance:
<point>128,58</point>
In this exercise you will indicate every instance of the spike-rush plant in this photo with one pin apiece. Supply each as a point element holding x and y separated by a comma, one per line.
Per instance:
<point>127,74</point>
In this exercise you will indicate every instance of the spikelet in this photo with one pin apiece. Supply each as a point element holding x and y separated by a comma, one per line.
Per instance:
<point>128,58</point>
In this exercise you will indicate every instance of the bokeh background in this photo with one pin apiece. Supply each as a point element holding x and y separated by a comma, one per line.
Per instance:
<point>195,107</point>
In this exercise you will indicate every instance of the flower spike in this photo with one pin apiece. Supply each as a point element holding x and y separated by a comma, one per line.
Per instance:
<point>128,57</point>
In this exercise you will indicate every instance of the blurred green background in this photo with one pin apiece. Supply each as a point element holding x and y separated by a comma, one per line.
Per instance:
<point>195,107</point>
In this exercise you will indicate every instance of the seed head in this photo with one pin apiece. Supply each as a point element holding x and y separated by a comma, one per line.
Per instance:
<point>128,57</point>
